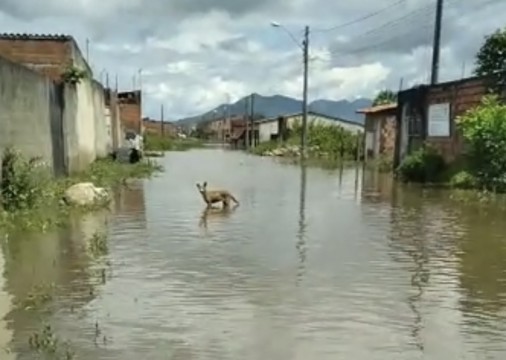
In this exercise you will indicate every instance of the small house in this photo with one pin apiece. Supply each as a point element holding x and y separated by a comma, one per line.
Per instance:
<point>379,130</point>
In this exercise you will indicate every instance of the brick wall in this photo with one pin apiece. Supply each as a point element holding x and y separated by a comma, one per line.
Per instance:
<point>130,110</point>
<point>47,57</point>
<point>387,136</point>
<point>462,96</point>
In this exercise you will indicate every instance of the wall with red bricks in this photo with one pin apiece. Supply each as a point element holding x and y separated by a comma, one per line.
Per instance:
<point>48,57</point>
<point>462,96</point>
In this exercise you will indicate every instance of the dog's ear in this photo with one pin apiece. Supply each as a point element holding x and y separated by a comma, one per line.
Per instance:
<point>205,184</point>
<point>198,186</point>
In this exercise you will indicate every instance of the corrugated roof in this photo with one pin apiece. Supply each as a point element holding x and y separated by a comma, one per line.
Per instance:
<point>24,36</point>
<point>377,108</point>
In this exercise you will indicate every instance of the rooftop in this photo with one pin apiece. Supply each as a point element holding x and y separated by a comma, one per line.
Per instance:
<point>378,108</point>
<point>24,36</point>
<point>310,113</point>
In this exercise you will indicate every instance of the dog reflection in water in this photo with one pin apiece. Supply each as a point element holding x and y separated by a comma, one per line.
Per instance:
<point>212,213</point>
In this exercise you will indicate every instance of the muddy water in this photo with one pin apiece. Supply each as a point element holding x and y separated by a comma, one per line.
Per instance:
<point>323,264</point>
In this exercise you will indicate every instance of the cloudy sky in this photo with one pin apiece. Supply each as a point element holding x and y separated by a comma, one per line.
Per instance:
<point>196,54</point>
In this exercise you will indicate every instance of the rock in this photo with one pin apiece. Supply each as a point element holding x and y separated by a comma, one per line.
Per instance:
<point>278,152</point>
<point>85,194</point>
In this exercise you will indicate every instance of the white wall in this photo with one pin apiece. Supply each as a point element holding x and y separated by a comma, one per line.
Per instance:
<point>321,120</point>
<point>266,129</point>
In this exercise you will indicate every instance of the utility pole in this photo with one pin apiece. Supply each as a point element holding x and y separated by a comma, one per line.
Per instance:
<point>87,50</point>
<point>303,140</point>
<point>246,119</point>
<point>437,43</point>
<point>161,119</point>
<point>252,120</point>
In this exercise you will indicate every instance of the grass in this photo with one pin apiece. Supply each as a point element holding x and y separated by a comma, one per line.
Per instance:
<point>161,143</point>
<point>32,199</point>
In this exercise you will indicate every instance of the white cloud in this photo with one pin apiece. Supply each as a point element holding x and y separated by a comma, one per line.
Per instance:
<point>194,53</point>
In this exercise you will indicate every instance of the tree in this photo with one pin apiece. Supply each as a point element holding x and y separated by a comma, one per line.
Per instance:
<point>385,97</point>
<point>491,59</point>
<point>484,129</point>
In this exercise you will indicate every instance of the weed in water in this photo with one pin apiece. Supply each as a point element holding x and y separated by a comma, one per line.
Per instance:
<point>32,197</point>
<point>45,342</point>
<point>97,245</point>
<point>38,296</point>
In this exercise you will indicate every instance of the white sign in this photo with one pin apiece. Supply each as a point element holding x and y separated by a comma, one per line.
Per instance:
<point>439,120</point>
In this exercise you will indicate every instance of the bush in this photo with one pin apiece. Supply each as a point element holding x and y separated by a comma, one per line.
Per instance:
<point>463,180</point>
<point>423,165</point>
<point>484,129</point>
<point>25,183</point>
<point>332,140</point>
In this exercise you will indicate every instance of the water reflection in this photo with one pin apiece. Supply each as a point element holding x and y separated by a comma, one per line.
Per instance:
<point>382,270</point>
<point>301,233</point>
<point>129,205</point>
<point>216,214</point>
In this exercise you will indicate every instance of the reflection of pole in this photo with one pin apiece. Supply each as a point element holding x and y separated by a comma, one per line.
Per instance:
<point>303,142</point>
<point>246,120</point>
<point>252,117</point>
<point>301,238</point>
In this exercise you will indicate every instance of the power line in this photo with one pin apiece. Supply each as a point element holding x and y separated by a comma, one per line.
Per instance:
<point>360,19</point>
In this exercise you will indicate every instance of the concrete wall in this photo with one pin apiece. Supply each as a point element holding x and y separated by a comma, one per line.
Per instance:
<point>26,100</point>
<point>86,124</point>
<point>64,124</point>
<point>266,129</point>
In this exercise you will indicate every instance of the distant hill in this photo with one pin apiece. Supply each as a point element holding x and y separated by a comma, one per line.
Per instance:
<point>271,106</point>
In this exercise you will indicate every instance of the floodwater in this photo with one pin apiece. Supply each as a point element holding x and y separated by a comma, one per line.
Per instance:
<point>314,264</point>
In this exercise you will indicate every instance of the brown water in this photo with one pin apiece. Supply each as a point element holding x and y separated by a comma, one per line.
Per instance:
<point>323,264</point>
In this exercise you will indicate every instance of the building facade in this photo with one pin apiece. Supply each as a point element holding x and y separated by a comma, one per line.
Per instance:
<point>274,128</point>
<point>379,130</point>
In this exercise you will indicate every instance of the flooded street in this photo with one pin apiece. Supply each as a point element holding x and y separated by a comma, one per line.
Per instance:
<point>314,263</point>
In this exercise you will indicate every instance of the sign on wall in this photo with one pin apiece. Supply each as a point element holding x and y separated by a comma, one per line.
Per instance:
<point>439,120</point>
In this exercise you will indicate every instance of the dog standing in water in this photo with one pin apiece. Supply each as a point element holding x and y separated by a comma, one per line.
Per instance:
<point>215,196</point>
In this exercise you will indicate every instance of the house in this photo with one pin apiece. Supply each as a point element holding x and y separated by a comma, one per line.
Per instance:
<point>130,110</point>
<point>426,115</point>
<point>159,128</point>
<point>379,130</point>
<point>276,127</point>
<point>243,131</point>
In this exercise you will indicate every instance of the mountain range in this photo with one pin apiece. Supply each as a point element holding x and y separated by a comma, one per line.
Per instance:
<point>277,105</point>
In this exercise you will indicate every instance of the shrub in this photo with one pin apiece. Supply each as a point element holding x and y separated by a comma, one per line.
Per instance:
<point>463,180</point>
<point>25,182</point>
<point>329,139</point>
<point>484,129</point>
<point>73,75</point>
<point>423,165</point>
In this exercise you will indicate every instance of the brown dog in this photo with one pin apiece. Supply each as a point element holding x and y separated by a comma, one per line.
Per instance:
<point>215,196</point>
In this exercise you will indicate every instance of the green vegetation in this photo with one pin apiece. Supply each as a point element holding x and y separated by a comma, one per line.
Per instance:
<point>491,59</point>
<point>484,130</point>
<point>483,166</point>
<point>73,75</point>
<point>163,143</point>
<point>46,343</point>
<point>97,245</point>
<point>32,198</point>
<point>422,166</point>
<point>385,97</point>
<point>324,141</point>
